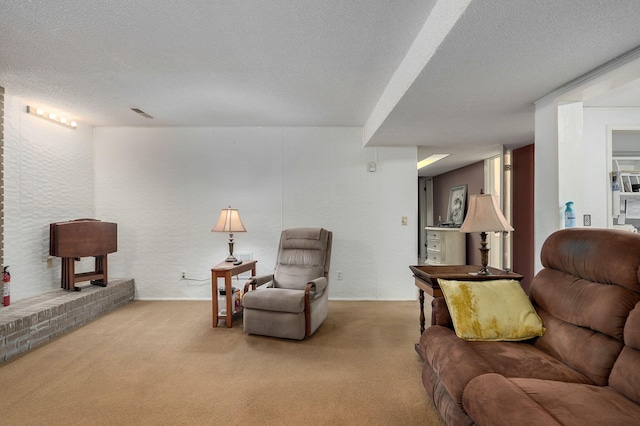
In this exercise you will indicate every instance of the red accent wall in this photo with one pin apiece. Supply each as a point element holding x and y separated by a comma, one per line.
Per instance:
<point>473,177</point>
<point>522,213</point>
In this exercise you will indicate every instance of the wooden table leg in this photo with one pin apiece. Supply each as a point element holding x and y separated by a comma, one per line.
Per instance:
<point>101,269</point>
<point>422,319</point>
<point>228,298</point>
<point>421,298</point>
<point>68,273</point>
<point>214,298</point>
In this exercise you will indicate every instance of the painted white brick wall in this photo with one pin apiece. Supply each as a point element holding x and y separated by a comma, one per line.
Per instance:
<point>165,188</point>
<point>48,178</point>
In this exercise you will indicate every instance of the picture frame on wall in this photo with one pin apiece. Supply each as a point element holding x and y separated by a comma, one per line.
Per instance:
<point>457,205</point>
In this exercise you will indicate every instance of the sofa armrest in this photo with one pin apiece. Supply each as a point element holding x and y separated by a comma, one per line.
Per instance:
<point>440,313</point>
<point>452,359</point>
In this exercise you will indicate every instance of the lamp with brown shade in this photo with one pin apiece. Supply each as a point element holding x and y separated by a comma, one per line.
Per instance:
<point>484,216</point>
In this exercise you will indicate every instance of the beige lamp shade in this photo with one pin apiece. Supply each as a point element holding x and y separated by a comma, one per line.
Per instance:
<point>484,215</point>
<point>229,221</point>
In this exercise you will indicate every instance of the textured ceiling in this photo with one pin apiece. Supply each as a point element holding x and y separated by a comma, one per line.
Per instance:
<point>203,62</point>
<point>456,76</point>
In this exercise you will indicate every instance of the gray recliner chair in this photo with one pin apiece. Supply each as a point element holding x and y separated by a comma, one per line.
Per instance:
<point>291,303</point>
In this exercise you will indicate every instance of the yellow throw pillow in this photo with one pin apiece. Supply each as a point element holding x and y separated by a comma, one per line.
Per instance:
<point>491,310</point>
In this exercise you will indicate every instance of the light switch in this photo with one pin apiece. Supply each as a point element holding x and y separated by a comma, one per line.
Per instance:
<point>404,221</point>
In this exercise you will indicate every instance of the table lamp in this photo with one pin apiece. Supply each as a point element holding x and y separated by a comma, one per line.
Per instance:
<point>229,221</point>
<point>484,216</point>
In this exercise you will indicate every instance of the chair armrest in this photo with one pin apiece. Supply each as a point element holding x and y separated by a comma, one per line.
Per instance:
<point>318,285</point>
<point>254,282</point>
<point>311,291</point>
<point>440,313</point>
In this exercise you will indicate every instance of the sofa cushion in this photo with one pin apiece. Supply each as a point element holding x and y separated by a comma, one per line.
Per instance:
<point>492,399</point>
<point>521,360</point>
<point>584,296</point>
<point>581,348</point>
<point>491,310</point>
<point>456,361</point>
<point>625,375</point>
<point>599,255</point>
<point>574,300</point>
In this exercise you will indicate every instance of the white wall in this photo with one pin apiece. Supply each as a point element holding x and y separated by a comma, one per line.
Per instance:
<point>165,188</point>
<point>546,188</point>
<point>48,178</point>
<point>577,170</point>
<point>571,185</point>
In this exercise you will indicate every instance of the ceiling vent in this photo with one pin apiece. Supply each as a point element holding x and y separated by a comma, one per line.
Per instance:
<point>141,112</point>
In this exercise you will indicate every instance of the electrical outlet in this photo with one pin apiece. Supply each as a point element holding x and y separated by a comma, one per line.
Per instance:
<point>339,275</point>
<point>183,275</point>
<point>587,220</point>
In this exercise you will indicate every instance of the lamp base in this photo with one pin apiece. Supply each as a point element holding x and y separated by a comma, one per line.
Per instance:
<point>484,255</point>
<point>481,273</point>
<point>231,257</point>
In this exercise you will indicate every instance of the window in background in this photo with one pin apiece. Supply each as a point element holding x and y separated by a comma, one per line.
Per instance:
<point>497,181</point>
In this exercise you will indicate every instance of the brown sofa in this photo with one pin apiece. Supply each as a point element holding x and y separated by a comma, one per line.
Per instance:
<point>585,369</point>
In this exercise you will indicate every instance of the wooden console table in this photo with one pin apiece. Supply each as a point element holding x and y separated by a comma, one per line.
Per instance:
<point>427,276</point>
<point>226,270</point>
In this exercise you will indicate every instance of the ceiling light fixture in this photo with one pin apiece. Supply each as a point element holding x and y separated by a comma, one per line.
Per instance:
<point>431,159</point>
<point>53,117</point>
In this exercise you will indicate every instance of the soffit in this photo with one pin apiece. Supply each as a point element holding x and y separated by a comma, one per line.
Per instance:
<point>479,89</point>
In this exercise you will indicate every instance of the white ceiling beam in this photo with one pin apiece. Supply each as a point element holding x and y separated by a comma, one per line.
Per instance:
<point>441,20</point>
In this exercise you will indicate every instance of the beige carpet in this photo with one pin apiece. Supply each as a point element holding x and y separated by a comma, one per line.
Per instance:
<point>161,363</point>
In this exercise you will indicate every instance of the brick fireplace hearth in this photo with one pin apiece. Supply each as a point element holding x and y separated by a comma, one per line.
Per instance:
<point>31,322</point>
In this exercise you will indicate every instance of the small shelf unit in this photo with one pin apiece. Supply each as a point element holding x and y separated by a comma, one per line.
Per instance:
<point>627,170</point>
<point>624,177</point>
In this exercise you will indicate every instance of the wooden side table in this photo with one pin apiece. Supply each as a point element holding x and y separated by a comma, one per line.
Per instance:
<point>427,276</point>
<point>226,270</point>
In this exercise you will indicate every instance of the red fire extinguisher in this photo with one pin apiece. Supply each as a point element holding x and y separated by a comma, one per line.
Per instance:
<point>6,278</point>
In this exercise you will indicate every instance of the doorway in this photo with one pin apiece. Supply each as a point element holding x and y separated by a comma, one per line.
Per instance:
<point>623,152</point>
<point>425,214</point>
